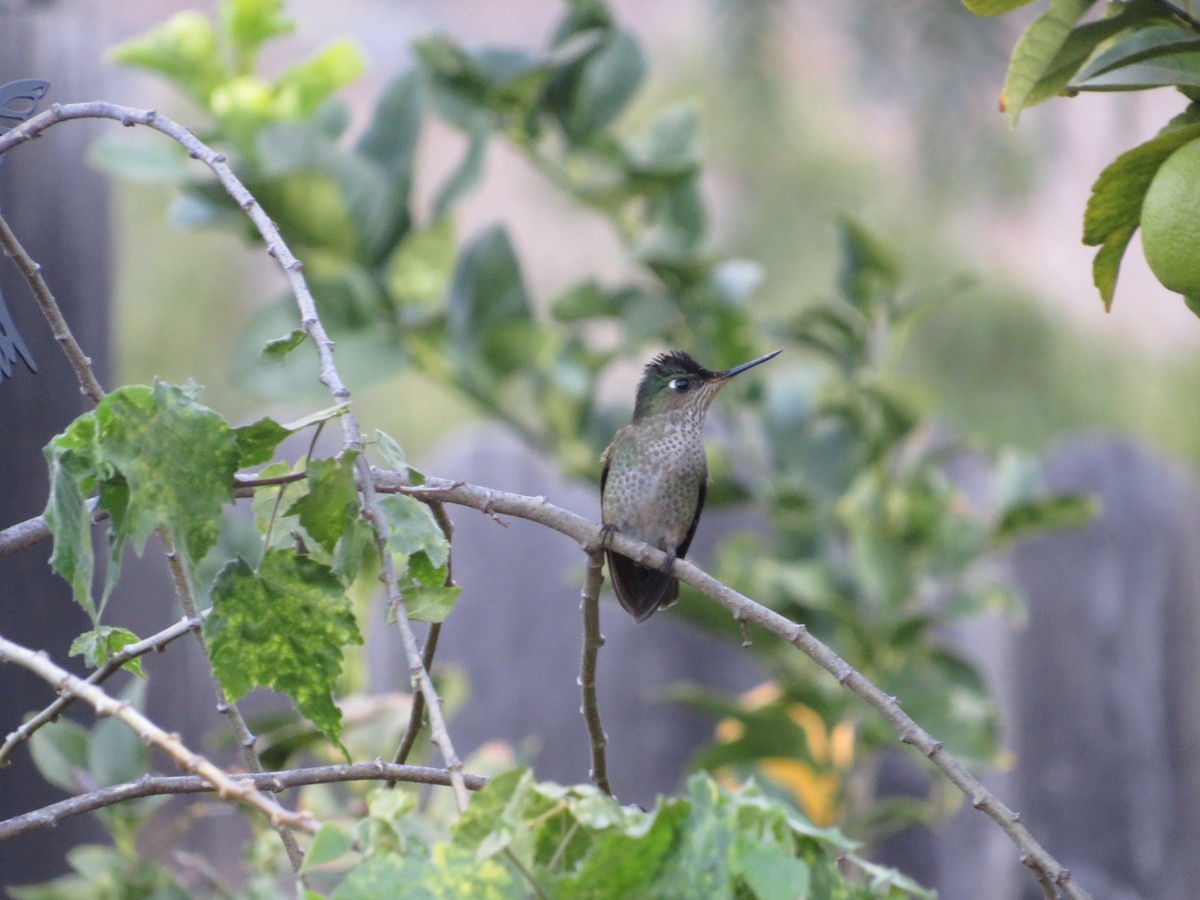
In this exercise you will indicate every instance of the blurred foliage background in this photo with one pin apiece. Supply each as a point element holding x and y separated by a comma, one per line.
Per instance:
<point>888,114</point>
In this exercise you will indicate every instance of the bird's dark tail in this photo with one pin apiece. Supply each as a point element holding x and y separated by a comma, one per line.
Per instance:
<point>641,591</point>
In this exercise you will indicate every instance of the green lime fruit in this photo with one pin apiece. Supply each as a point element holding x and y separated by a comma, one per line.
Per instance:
<point>1171,221</point>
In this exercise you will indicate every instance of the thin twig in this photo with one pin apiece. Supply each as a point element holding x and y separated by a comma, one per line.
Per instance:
<point>225,785</point>
<point>587,534</point>
<point>156,642</point>
<point>147,786</point>
<point>46,303</point>
<point>416,713</point>
<point>593,640</point>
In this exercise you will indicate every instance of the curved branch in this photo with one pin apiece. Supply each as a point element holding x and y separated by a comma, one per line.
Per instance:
<point>223,783</point>
<point>49,816</point>
<point>156,642</point>
<point>588,534</point>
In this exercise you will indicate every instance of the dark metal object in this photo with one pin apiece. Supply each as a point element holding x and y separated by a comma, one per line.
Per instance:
<point>18,100</point>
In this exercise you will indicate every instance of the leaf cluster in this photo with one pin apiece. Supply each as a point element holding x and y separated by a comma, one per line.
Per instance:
<point>1133,45</point>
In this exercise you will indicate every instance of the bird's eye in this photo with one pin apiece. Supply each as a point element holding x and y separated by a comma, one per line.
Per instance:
<point>679,384</point>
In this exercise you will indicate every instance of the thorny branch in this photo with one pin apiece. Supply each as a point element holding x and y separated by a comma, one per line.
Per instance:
<point>225,785</point>
<point>156,642</point>
<point>1045,867</point>
<point>147,786</point>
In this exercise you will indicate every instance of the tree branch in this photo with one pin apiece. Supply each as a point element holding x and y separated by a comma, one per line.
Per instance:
<point>587,534</point>
<point>593,640</point>
<point>49,307</point>
<point>244,791</point>
<point>156,642</point>
<point>147,786</point>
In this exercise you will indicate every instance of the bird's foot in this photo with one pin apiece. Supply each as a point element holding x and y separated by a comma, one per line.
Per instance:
<point>607,530</point>
<point>668,568</point>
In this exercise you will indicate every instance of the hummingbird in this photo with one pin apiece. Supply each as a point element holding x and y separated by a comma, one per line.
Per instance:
<point>655,475</point>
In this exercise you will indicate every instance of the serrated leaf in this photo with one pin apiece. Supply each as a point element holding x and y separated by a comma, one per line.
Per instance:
<point>159,458</point>
<point>770,872</point>
<point>282,627</point>
<point>332,499</point>
<point>377,879</point>
<point>280,347</point>
<point>257,442</point>
<point>1035,53</point>
<point>1114,208</point>
<point>98,646</point>
<point>331,843</point>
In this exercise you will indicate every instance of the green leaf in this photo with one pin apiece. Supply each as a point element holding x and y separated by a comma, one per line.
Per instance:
<point>589,95</point>
<point>1179,70</point>
<point>59,750</point>
<point>412,529</point>
<point>770,872</point>
<point>257,442</point>
<point>184,49</point>
<point>488,297</point>
<point>427,597</point>
<point>116,753</point>
<point>249,24</point>
<point>332,499</point>
<point>1082,42</point>
<point>1144,44</point>
<point>278,348</point>
<point>159,458</point>
<point>1036,52</point>
<point>1115,205</point>
<point>420,269</point>
<point>465,176</point>
<point>331,843</point>
<point>378,879</point>
<point>1062,511</point>
<point>98,646</point>
<point>393,455</point>
<point>305,86</point>
<point>994,7</point>
<point>669,147</point>
<point>282,627</point>
<point>869,271</point>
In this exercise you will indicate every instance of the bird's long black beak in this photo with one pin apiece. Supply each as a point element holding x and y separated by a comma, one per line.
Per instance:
<point>729,373</point>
